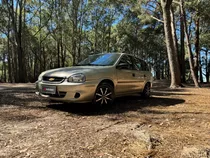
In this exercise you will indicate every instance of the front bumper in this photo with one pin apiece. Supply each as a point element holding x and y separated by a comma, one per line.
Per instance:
<point>69,92</point>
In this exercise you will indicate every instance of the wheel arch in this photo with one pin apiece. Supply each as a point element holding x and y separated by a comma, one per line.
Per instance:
<point>109,81</point>
<point>150,84</point>
<point>147,82</point>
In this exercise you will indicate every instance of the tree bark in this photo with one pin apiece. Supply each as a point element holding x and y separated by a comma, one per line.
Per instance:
<point>182,49</point>
<point>96,35</point>
<point>171,50</point>
<point>207,66</point>
<point>75,5</point>
<point>58,53</point>
<point>4,69</point>
<point>197,48</point>
<point>9,52</point>
<point>173,30</point>
<point>195,80</point>
<point>16,21</point>
<point>21,57</point>
<point>201,73</point>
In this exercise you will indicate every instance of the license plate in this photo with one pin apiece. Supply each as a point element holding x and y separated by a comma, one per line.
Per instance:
<point>49,89</point>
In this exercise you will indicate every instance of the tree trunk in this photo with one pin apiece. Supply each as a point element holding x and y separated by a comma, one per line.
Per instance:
<point>157,74</point>
<point>195,80</point>
<point>4,69</point>
<point>58,53</point>
<point>44,59</point>
<point>15,61</point>
<point>197,64</point>
<point>96,36</point>
<point>109,37</point>
<point>171,50</point>
<point>40,36</point>
<point>21,57</point>
<point>173,30</point>
<point>9,52</point>
<point>201,73</point>
<point>75,5</point>
<point>207,66</point>
<point>182,49</point>
<point>16,21</point>
<point>197,47</point>
<point>207,74</point>
<point>2,74</point>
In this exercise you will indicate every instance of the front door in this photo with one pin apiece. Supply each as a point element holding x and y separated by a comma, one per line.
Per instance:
<point>127,77</point>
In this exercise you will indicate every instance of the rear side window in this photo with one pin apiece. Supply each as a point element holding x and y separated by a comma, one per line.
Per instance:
<point>140,64</point>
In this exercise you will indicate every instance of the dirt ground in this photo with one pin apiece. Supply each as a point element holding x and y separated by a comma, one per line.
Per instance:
<point>170,124</point>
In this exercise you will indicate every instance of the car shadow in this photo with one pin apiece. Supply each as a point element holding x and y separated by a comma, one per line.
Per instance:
<point>24,97</point>
<point>121,105</point>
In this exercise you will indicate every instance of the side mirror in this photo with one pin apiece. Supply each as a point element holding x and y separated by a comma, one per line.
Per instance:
<point>122,66</point>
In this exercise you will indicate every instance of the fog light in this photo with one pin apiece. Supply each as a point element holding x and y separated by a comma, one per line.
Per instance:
<point>77,95</point>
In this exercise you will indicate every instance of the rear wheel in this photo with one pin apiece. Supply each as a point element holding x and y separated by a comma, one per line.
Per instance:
<point>146,91</point>
<point>104,95</point>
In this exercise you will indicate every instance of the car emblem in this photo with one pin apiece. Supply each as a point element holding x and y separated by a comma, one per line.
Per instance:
<point>51,79</point>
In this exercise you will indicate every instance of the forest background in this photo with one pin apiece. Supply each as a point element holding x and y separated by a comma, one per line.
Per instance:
<point>172,36</point>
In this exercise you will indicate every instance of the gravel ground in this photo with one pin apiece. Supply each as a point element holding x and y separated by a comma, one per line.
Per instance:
<point>172,123</point>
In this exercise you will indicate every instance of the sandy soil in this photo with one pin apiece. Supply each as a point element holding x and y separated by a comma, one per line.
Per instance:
<point>172,123</point>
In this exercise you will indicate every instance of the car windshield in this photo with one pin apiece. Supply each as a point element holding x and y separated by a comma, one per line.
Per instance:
<point>100,60</point>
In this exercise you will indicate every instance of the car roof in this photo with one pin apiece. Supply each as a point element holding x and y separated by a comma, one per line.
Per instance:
<point>111,53</point>
<point>117,53</point>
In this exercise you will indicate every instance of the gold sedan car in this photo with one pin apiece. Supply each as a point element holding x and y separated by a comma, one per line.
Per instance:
<point>99,79</point>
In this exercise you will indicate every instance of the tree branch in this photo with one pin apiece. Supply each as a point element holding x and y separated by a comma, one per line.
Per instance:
<point>176,2</point>
<point>157,19</point>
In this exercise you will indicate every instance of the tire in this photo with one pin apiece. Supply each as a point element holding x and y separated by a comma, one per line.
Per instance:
<point>146,91</point>
<point>104,95</point>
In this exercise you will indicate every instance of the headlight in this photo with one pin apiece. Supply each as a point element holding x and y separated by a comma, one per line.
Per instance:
<point>77,78</point>
<point>40,76</point>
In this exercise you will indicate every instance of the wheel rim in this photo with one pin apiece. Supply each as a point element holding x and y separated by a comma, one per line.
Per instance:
<point>103,96</point>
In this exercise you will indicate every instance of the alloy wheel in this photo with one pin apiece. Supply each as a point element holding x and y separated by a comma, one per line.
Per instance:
<point>104,95</point>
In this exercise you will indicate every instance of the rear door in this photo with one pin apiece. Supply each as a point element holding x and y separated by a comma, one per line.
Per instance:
<point>127,77</point>
<point>143,71</point>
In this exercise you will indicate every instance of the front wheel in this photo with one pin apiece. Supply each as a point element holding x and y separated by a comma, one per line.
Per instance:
<point>104,95</point>
<point>146,91</point>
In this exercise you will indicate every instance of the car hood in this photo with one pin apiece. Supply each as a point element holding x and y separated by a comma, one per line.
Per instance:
<point>68,71</point>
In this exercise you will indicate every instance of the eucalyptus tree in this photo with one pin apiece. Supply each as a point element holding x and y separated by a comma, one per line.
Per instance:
<point>14,21</point>
<point>171,47</point>
<point>196,13</point>
<point>201,19</point>
<point>44,34</point>
<point>162,12</point>
<point>189,49</point>
<point>205,42</point>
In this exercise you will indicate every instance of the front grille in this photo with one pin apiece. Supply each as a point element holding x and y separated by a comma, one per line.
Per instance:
<point>53,79</point>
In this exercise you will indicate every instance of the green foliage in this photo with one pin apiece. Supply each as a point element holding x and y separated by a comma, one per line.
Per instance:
<point>57,33</point>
